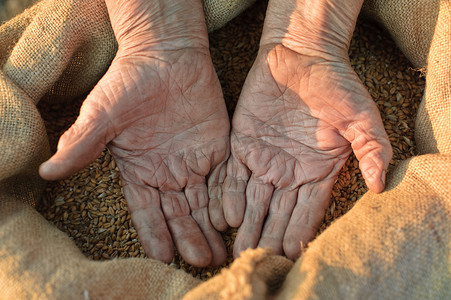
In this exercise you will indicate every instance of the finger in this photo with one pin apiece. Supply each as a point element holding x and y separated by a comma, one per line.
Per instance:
<point>234,189</point>
<point>197,197</point>
<point>312,202</point>
<point>148,219</point>
<point>258,195</point>
<point>80,145</point>
<point>215,209</point>
<point>280,210</point>
<point>187,236</point>
<point>372,148</point>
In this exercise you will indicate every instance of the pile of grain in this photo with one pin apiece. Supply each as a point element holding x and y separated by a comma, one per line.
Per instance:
<point>91,208</point>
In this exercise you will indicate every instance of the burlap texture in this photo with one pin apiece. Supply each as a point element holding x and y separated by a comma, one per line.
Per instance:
<point>256,274</point>
<point>425,41</point>
<point>59,49</point>
<point>433,128</point>
<point>392,245</point>
<point>411,24</point>
<point>395,245</point>
<point>37,261</point>
<point>219,12</point>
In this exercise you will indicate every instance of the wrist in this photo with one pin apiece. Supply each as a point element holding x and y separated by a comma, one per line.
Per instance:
<point>312,27</point>
<point>158,24</point>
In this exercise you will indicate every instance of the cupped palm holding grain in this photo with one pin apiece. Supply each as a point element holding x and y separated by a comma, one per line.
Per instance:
<point>301,112</point>
<point>160,111</point>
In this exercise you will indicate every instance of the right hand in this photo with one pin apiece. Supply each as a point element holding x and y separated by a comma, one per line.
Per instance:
<point>160,110</point>
<point>301,112</point>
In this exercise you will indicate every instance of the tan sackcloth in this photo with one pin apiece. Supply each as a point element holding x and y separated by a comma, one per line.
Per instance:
<point>256,274</point>
<point>433,126</point>
<point>393,245</point>
<point>219,12</point>
<point>411,24</point>
<point>37,261</point>
<point>59,49</point>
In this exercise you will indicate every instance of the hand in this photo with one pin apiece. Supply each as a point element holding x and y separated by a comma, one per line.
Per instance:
<point>297,120</point>
<point>160,111</point>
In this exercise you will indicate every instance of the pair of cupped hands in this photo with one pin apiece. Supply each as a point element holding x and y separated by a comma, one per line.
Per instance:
<point>160,111</point>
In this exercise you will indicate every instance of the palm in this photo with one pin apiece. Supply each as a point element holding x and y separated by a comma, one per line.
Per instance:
<point>164,138</point>
<point>291,135</point>
<point>285,145</point>
<point>178,134</point>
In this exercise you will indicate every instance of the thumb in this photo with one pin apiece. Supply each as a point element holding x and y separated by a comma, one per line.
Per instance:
<point>82,143</point>
<point>371,145</point>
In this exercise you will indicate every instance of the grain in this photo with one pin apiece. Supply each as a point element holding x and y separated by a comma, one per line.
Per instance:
<point>90,206</point>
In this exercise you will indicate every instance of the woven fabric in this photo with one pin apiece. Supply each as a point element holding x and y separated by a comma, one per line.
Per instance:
<point>395,245</point>
<point>254,275</point>
<point>433,126</point>
<point>219,12</point>
<point>37,261</point>
<point>411,24</point>
<point>59,50</point>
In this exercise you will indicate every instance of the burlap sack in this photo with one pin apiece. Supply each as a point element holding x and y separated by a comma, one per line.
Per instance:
<point>60,49</point>
<point>411,24</point>
<point>392,245</point>
<point>433,126</point>
<point>395,245</point>
<point>37,261</point>
<point>256,274</point>
<point>217,12</point>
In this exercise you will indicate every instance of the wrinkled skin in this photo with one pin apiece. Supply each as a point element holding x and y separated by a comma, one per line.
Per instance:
<point>297,120</point>
<point>160,111</point>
